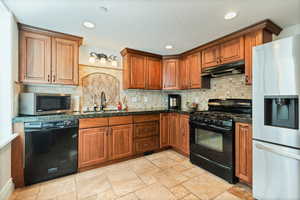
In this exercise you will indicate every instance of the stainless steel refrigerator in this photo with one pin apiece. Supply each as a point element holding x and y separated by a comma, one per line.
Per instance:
<point>276,135</point>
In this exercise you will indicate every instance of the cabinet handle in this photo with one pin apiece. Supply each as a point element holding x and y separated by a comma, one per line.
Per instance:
<point>53,78</point>
<point>48,77</point>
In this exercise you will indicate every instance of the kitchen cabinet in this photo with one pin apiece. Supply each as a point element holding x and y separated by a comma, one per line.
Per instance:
<point>104,139</point>
<point>121,141</point>
<point>225,52</point>
<point>48,57</point>
<point>184,73</point>
<point>195,70</point>
<point>64,61</point>
<point>210,56</point>
<point>154,73</point>
<point>184,134</point>
<point>232,50</point>
<point>93,146</point>
<point>35,58</point>
<point>171,74</point>
<point>164,130</point>
<point>146,133</point>
<point>174,127</point>
<point>142,70</point>
<point>243,152</point>
<point>251,40</point>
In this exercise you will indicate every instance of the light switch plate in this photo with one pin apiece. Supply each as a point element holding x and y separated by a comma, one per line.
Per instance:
<point>134,99</point>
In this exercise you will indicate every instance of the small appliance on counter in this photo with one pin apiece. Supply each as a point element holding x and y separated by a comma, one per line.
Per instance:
<point>43,104</point>
<point>174,101</point>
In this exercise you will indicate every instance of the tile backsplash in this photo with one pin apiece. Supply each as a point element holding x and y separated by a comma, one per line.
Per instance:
<point>94,80</point>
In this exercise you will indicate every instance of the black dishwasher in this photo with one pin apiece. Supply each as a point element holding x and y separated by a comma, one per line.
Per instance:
<point>50,150</point>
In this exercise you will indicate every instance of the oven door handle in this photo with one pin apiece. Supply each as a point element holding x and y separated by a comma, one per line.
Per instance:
<point>220,128</point>
<point>278,152</point>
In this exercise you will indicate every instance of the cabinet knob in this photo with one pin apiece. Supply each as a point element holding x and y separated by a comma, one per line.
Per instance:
<point>48,77</point>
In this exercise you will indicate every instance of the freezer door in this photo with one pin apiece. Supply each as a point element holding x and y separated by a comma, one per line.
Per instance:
<point>276,172</point>
<point>276,72</point>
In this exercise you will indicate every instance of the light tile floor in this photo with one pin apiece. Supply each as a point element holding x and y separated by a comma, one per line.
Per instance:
<point>165,175</point>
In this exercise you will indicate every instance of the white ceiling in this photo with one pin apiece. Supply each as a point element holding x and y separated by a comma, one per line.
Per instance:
<point>151,24</point>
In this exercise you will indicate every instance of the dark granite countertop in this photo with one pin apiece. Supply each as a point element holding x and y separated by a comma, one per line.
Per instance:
<point>243,119</point>
<point>80,115</point>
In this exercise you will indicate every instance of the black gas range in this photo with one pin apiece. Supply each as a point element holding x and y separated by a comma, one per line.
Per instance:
<point>212,136</point>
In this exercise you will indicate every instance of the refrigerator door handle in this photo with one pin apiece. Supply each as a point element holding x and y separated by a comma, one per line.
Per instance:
<point>275,151</point>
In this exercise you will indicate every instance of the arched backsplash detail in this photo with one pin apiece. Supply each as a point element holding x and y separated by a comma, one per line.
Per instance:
<point>93,84</point>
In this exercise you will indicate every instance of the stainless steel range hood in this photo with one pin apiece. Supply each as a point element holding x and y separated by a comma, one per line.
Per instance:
<point>225,70</point>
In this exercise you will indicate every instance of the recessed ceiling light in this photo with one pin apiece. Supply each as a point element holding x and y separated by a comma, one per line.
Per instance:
<point>88,24</point>
<point>230,15</point>
<point>169,46</point>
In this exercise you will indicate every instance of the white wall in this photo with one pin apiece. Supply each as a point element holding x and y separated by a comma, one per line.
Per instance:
<point>289,31</point>
<point>8,63</point>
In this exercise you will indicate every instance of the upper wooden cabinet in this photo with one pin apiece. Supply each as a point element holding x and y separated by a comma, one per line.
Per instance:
<point>64,61</point>
<point>251,40</point>
<point>48,57</point>
<point>141,70</point>
<point>154,74</point>
<point>232,50</point>
<point>171,74</point>
<point>210,56</point>
<point>35,58</point>
<point>184,73</point>
<point>225,52</point>
<point>243,152</point>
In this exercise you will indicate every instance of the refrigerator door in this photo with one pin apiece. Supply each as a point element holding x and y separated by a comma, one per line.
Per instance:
<point>276,72</point>
<point>276,173</point>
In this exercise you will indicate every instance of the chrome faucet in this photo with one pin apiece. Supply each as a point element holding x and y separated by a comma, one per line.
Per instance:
<point>103,100</point>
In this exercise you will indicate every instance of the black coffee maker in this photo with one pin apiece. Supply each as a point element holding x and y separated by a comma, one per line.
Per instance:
<point>174,101</point>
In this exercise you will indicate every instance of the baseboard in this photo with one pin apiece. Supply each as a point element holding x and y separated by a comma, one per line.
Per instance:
<point>7,190</point>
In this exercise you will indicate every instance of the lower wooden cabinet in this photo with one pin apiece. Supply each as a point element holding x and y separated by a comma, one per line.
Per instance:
<point>121,141</point>
<point>142,145</point>
<point>101,144</point>
<point>179,132</point>
<point>146,136</point>
<point>243,152</point>
<point>164,130</point>
<point>184,133</point>
<point>93,146</point>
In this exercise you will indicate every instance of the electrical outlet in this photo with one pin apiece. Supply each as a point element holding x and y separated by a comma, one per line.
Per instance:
<point>145,99</point>
<point>196,99</point>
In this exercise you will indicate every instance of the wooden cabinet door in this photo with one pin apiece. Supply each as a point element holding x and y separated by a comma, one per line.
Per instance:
<point>64,61</point>
<point>174,130</point>
<point>184,74</point>
<point>232,50</point>
<point>195,70</point>
<point>251,40</point>
<point>164,130</point>
<point>185,134</point>
<point>146,129</point>
<point>243,152</point>
<point>35,58</point>
<point>154,70</point>
<point>137,70</point>
<point>92,146</point>
<point>210,56</point>
<point>121,141</point>
<point>171,74</point>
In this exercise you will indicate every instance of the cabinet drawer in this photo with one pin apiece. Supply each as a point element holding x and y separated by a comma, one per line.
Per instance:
<point>93,122</point>
<point>120,120</point>
<point>146,144</point>
<point>145,118</point>
<point>146,129</point>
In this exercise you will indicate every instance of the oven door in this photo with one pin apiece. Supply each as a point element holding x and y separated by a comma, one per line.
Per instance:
<point>212,142</point>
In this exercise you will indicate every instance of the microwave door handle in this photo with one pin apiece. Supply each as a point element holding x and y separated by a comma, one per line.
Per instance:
<point>278,152</point>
